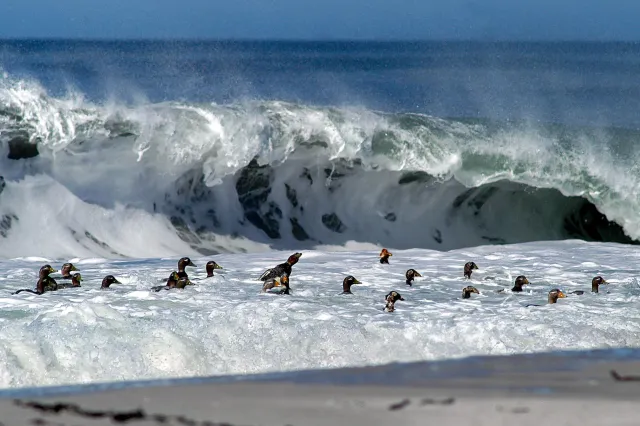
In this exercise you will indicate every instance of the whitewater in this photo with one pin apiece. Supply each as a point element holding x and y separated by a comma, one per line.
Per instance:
<point>225,325</point>
<point>127,188</point>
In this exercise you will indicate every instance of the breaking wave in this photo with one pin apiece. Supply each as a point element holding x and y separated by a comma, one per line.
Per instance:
<point>160,179</point>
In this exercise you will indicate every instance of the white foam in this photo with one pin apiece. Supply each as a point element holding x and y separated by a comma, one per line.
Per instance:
<point>226,326</point>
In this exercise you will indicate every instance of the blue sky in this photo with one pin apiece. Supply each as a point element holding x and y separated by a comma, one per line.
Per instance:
<point>323,19</point>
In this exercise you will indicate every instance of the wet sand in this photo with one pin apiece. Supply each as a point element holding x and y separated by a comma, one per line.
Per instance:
<point>558,388</point>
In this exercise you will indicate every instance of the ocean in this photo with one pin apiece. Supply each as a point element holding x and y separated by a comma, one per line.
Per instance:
<point>124,156</point>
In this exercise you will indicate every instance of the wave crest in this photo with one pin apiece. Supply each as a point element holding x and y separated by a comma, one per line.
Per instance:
<point>270,174</point>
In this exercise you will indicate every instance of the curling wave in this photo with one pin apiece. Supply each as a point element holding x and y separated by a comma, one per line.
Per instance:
<point>114,180</point>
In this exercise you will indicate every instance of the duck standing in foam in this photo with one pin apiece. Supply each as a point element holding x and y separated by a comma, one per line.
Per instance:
<point>347,283</point>
<point>384,256</point>
<point>410,275</point>
<point>391,300</point>
<point>45,282</point>
<point>281,269</point>
<point>469,267</point>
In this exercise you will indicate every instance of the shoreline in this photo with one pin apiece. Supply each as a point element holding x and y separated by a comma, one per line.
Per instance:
<point>574,387</point>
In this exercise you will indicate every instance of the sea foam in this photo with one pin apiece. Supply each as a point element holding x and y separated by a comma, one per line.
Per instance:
<point>225,325</point>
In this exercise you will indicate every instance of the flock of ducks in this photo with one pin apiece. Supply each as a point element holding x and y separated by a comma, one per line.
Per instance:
<point>276,280</point>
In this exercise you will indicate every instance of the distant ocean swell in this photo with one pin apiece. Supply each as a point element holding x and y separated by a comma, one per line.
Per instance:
<point>157,179</point>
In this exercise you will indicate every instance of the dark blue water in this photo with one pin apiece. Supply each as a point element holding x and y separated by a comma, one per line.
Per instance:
<point>573,83</point>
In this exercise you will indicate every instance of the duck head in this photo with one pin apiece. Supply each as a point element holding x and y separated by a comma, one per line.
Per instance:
<point>108,280</point>
<point>556,294</point>
<point>210,266</point>
<point>184,262</point>
<point>293,259</point>
<point>348,282</point>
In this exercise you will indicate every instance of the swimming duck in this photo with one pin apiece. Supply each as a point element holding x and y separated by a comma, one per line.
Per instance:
<point>66,270</point>
<point>282,282</point>
<point>281,269</point>
<point>553,297</point>
<point>174,281</point>
<point>108,280</point>
<point>347,283</point>
<point>468,269</point>
<point>517,285</point>
<point>596,282</point>
<point>410,275</point>
<point>385,255</point>
<point>45,282</point>
<point>391,300</point>
<point>183,263</point>
<point>210,266</point>
<point>75,282</point>
<point>520,281</point>
<point>466,292</point>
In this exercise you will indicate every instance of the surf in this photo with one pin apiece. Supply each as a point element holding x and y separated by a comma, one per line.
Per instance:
<point>161,179</point>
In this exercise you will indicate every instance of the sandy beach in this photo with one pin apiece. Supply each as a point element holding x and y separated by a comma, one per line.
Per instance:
<point>556,388</point>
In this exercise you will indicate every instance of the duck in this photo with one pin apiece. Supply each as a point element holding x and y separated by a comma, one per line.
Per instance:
<point>553,297</point>
<point>182,264</point>
<point>410,275</point>
<point>66,270</point>
<point>108,280</point>
<point>468,269</point>
<point>596,282</point>
<point>466,292</point>
<point>517,285</point>
<point>210,267</point>
<point>277,285</point>
<point>76,279</point>
<point>281,269</point>
<point>45,282</point>
<point>174,281</point>
<point>385,255</point>
<point>391,298</point>
<point>347,283</point>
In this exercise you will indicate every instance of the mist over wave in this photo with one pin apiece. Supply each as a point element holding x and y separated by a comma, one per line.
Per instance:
<point>162,179</point>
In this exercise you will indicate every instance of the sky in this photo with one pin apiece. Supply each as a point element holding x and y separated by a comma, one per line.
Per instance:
<point>596,20</point>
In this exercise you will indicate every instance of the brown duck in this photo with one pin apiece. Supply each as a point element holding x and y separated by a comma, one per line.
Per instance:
<point>385,255</point>
<point>466,292</point>
<point>391,299</point>
<point>410,275</point>
<point>468,269</point>
<point>596,282</point>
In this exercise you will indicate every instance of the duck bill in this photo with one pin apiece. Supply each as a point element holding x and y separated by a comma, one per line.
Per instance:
<point>561,295</point>
<point>73,268</point>
<point>216,266</point>
<point>117,282</point>
<point>356,282</point>
<point>417,274</point>
<point>191,264</point>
